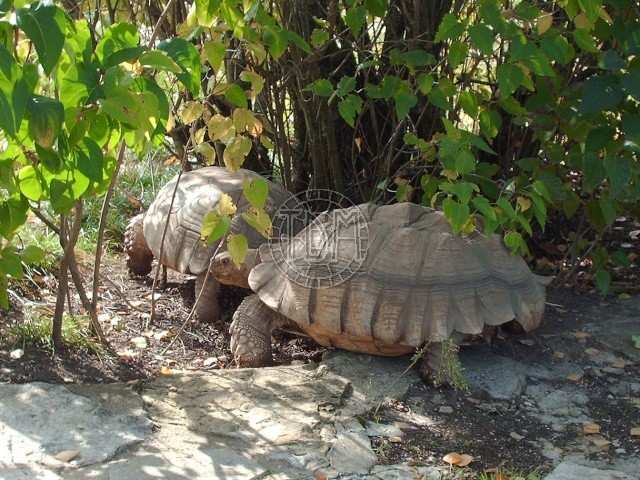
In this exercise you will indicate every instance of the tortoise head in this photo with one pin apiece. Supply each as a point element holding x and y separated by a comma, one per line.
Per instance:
<point>226,272</point>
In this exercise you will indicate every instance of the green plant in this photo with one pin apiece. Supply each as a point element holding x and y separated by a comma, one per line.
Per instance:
<point>449,371</point>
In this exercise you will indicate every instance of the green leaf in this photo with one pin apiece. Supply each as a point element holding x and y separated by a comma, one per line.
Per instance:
<point>464,191</point>
<point>321,87</point>
<point>79,85</point>
<point>465,162</point>
<point>483,37</point>
<point>585,40</point>
<point>276,42</point>
<point>207,11</point>
<point>603,280</point>
<point>601,92</point>
<point>345,85</point>
<point>484,207</point>
<point>355,18</point>
<point>457,214</point>
<point>592,172</point>
<point>417,58</point>
<point>490,122</point>
<point>8,65</point>
<point>621,259</point>
<point>47,118</point>
<point>120,43</point>
<point>510,77</point>
<point>10,263</point>
<point>557,49</point>
<point>157,59</point>
<point>214,227</point>
<point>50,159</point>
<point>631,127</point>
<point>297,40</point>
<point>121,106</point>
<point>630,82</point>
<point>31,254</point>
<point>611,60</point>
<point>258,219</point>
<point>506,208</point>
<point>425,82</point>
<point>89,159</point>
<point>515,242</point>
<point>215,52</point>
<point>404,103</point>
<point>186,55</point>
<point>256,190</point>
<point>553,186</point>
<point>591,8</point>
<point>13,214</point>
<point>595,215</point>
<point>469,102</point>
<point>13,104</point>
<point>450,27</point>
<point>349,107</point>
<point>319,37</point>
<point>457,53</point>
<point>636,340</point>
<point>45,25</point>
<point>439,99</point>
<point>237,247</point>
<point>619,171</point>
<point>236,95</point>
<point>377,7</point>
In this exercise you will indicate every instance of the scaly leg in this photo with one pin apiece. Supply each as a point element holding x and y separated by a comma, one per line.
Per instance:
<point>251,330</point>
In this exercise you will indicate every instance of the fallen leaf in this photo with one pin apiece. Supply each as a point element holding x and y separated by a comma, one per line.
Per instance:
<point>402,425</point>
<point>104,317</point>
<point>528,343</point>
<point>635,432</point>
<point>591,428</point>
<point>580,335</point>
<point>320,476</point>
<point>600,441</point>
<point>516,436</point>
<point>452,458</point>
<point>140,342</point>
<point>394,439</point>
<point>17,353</point>
<point>561,310</point>
<point>166,370</point>
<point>592,352</point>
<point>500,476</point>
<point>575,377</point>
<point>475,401</point>
<point>558,355</point>
<point>163,335</point>
<point>67,455</point>
<point>619,363</point>
<point>136,303</point>
<point>207,362</point>
<point>465,460</point>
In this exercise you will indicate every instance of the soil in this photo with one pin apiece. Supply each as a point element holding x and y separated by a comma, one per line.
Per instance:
<point>140,349</point>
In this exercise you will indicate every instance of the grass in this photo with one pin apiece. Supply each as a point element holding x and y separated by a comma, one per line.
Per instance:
<point>35,331</point>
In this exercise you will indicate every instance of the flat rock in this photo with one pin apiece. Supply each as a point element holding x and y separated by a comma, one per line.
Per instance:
<point>39,421</point>
<point>351,452</point>
<point>569,470</point>
<point>501,377</point>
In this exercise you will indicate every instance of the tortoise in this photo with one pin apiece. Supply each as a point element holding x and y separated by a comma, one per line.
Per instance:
<point>199,192</point>
<point>418,285</point>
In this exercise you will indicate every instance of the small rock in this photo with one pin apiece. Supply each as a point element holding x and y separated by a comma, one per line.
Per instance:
<point>445,409</point>
<point>207,362</point>
<point>67,455</point>
<point>516,436</point>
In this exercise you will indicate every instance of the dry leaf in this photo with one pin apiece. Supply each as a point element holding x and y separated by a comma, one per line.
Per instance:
<point>558,355</point>
<point>394,439</point>
<point>320,476</point>
<point>528,343</point>
<point>561,310</point>
<point>591,428</point>
<point>600,441</point>
<point>516,436</point>
<point>166,371</point>
<point>140,342</point>
<point>592,352</point>
<point>619,363</point>
<point>402,425</point>
<point>475,401</point>
<point>464,460</point>
<point>452,458</point>
<point>500,476</point>
<point>17,353</point>
<point>67,455</point>
<point>635,432</point>
<point>575,377</point>
<point>580,335</point>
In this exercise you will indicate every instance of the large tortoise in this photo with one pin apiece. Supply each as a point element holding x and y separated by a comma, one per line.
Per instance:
<point>418,285</point>
<point>198,193</point>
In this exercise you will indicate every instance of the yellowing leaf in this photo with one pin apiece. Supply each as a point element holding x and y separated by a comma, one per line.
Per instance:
<point>259,220</point>
<point>191,112</point>
<point>226,205</point>
<point>256,190</point>
<point>214,226</point>
<point>198,136</point>
<point>236,151</point>
<point>591,429</point>
<point>221,128</point>
<point>166,371</point>
<point>524,203</point>
<point>582,21</point>
<point>245,121</point>
<point>207,151</point>
<point>237,247</point>
<point>544,22</point>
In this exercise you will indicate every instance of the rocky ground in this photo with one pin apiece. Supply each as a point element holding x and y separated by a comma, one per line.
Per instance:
<point>567,393</point>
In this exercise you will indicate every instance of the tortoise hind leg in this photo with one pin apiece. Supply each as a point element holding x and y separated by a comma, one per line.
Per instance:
<point>250,331</point>
<point>208,307</point>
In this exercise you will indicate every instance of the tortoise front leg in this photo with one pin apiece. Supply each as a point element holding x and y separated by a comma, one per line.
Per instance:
<point>208,308</point>
<point>441,366</point>
<point>251,330</point>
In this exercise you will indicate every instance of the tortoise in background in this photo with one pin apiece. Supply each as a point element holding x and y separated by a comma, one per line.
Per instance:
<point>198,193</point>
<point>418,285</point>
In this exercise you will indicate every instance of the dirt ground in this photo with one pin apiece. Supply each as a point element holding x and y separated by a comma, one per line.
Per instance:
<point>139,350</point>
